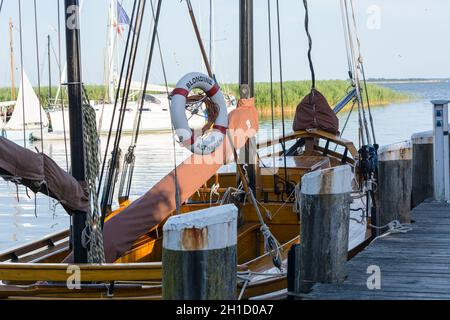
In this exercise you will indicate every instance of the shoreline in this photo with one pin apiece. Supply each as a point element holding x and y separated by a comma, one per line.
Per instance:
<point>294,91</point>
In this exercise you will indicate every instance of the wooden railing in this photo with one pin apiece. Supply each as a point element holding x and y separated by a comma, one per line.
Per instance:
<point>43,244</point>
<point>95,273</point>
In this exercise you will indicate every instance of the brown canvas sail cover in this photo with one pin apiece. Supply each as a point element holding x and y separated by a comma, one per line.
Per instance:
<point>124,229</point>
<point>41,174</point>
<point>314,112</point>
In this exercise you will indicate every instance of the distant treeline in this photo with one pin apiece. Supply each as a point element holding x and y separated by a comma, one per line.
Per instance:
<point>294,91</point>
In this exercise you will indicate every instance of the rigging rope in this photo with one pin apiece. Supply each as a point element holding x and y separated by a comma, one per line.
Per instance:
<point>38,75</point>
<point>3,131</point>
<point>131,66</point>
<point>280,61</point>
<point>166,83</point>
<point>110,183</point>
<point>149,64</point>
<point>354,70</point>
<point>361,67</point>
<point>22,75</point>
<point>117,96</point>
<point>357,60</point>
<point>130,157</point>
<point>60,87</point>
<point>271,244</point>
<point>311,66</point>
<point>346,122</point>
<point>368,105</point>
<point>347,45</point>
<point>211,31</point>
<point>199,39</point>
<point>272,96</point>
<point>197,100</point>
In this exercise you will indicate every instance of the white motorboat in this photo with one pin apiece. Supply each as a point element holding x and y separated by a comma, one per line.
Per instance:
<point>155,118</point>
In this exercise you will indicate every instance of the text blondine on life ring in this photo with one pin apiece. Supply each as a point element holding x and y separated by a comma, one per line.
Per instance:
<point>212,139</point>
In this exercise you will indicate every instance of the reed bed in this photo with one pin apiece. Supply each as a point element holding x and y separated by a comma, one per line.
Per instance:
<point>333,90</point>
<point>294,91</point>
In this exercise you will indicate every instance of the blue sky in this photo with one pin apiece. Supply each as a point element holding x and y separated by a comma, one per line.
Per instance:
<point>412,40</point>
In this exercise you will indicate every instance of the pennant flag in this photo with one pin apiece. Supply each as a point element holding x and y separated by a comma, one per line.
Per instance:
<point>123,18</point>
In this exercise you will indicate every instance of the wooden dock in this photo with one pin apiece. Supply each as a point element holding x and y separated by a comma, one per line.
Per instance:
<point>413,265</point>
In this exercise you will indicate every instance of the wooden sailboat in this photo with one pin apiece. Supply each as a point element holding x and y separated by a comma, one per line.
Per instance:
<point>36,270</point>
<point>138,273</point>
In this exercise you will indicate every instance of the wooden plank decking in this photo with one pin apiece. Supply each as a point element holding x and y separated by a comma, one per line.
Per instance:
<point>413,265</point>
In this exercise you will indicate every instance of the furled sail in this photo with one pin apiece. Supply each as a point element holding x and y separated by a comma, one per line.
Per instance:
<point>27,100</point>
<point>41,174</point>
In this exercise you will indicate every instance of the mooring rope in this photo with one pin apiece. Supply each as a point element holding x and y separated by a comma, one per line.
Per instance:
<point>394,226</point>
<point>246,277</point>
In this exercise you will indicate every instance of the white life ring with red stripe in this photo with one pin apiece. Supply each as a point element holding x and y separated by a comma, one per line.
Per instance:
<point>208,142</point>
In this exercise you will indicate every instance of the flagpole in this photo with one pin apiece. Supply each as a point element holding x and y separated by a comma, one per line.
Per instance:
<point>112,48</point>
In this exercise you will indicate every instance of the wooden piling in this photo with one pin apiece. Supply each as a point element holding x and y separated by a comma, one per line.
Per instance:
<point>325,218</point>
<point>422,167</point>
<point>395,183</point>
<point>199,255</point>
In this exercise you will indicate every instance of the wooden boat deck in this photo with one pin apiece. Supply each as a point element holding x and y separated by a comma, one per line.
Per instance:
<point>413,265</point>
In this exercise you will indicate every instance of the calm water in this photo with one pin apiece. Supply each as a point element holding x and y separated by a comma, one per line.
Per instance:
<point>22,221</point>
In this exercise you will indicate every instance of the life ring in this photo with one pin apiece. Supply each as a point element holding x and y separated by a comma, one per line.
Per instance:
<point>209,141</point>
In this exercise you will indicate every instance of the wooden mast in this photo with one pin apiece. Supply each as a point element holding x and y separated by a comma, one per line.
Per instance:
<point>246,81</point>
<point>74,90</point>
<point>246,73</point>
<point>11,52</point>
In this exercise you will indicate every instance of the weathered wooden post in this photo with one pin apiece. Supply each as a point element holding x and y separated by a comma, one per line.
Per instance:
<point>422,167</point>
<point>395,183</point>
<point>199,255</point>
<point>441,150</point>
<point>325,218</point>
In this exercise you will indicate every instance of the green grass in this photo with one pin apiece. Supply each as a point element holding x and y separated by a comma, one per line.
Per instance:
<point>294,91</point>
